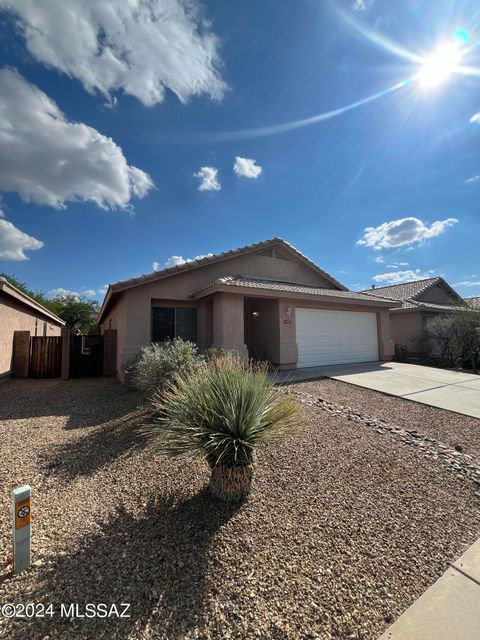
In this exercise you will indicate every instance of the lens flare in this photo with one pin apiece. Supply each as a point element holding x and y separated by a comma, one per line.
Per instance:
<point>438,67</point>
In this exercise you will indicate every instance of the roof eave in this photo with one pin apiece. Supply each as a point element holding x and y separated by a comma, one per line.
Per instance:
<point>11,290</point>
<point>123,285</point>
<point>275,293</point>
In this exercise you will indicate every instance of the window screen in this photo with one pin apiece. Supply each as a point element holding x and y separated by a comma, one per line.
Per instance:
<point>186,324</point>
<point>163,324</point>
<point>169,323</point>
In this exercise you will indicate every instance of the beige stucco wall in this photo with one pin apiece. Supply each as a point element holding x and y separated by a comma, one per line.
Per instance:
<point>438,295</point>
<point>406,328</point>
<point>15,316</point>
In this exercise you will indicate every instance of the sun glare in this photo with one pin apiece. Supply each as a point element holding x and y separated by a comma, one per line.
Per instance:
<point>438,67</point>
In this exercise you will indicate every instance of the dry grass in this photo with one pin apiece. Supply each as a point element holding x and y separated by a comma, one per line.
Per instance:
<point>344,528</point>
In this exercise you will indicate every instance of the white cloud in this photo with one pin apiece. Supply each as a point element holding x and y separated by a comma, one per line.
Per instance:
<point>397,265</point>
<point>141,47</point>
<point>467,283</point>
<point>49,160</point>
<point>405,231</point>
<point>14,243</point>
<point>379,259</point>
<point>246,167</point>
<point>208,179</point>
<point>60,292</point>
<point>396,277</point>
<point>475,117</point>
<point>472,180</point>
<point>361,5</point>
<point>175,261</point>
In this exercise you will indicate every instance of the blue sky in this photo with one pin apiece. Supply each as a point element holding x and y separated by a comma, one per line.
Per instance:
<point>104,139</point>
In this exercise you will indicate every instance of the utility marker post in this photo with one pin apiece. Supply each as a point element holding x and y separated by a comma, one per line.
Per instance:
<point>22,527</point>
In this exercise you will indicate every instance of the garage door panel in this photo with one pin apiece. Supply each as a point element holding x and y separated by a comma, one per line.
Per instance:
<point>335,337</point>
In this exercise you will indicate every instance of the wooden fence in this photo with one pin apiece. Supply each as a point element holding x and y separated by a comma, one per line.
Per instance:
<point>45,357</point>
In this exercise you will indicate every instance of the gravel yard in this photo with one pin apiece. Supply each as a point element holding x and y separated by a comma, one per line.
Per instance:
<point>446,426</point>
<point>345,528</point>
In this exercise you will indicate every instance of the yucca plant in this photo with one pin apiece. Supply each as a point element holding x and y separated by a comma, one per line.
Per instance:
<point>222,414</point>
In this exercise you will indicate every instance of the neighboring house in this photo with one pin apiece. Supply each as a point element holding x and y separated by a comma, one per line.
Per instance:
<point>19,312</point>
<point>420,301</point>
<point>473,301</point>
<point>265,300</point>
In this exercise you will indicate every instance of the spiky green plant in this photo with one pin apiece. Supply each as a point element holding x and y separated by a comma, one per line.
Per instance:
<point>222,414</point>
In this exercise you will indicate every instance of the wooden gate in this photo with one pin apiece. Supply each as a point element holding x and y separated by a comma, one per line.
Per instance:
<point>45,357</point>
<point>86,356</point>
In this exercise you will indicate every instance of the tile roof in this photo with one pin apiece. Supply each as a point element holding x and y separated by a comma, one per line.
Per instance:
<point>473,301</point>
<point>192,264</point>
<point>408,292</point>
<point>405,290</point>
<point>290,287</point>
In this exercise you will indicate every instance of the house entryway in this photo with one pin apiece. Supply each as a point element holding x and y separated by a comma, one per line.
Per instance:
<point>261,327</point>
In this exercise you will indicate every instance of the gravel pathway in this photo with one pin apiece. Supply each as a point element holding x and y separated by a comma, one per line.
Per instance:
<point>345,528</point>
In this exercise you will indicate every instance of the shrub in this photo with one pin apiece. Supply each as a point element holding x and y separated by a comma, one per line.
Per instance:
<point>158,364</point>
<point>222,415</point>
<point>454,338</point>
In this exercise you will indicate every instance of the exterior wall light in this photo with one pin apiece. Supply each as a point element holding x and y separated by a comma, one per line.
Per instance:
<point>289,311</point>
<point>255,314</point>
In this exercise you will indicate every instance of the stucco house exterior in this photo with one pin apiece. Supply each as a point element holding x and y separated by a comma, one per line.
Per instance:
<point>19,312</point>
<point>420,301</point>
<point>265,300</point>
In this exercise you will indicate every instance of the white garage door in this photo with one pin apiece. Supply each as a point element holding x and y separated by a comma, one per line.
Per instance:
<point>335,337</point>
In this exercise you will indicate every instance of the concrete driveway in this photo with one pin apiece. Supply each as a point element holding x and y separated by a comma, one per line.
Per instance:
<point>450,390</point>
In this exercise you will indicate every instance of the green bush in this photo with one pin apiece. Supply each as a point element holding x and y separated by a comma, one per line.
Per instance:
<point>157,365</point>
<point>222,414</point>
<point>453,339</point>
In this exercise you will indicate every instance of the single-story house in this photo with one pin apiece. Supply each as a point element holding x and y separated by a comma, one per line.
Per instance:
<point>420,301</point>
<point>19,312</point>
<point>265,300</point>
<point>473,301</point>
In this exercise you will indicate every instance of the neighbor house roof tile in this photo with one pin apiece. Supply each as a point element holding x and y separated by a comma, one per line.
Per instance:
<point>408,293</point>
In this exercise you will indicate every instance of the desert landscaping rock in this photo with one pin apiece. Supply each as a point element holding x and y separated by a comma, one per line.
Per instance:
<point>463,465</point>
<point>448,427</point>
<point>345,527</point>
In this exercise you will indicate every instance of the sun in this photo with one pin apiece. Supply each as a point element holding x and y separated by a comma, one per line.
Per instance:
<point>438,67</point>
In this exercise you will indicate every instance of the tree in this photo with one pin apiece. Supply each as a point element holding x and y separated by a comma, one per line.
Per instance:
<point>38,296</point>
<point>454,338</point>
<point>79,313</point>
